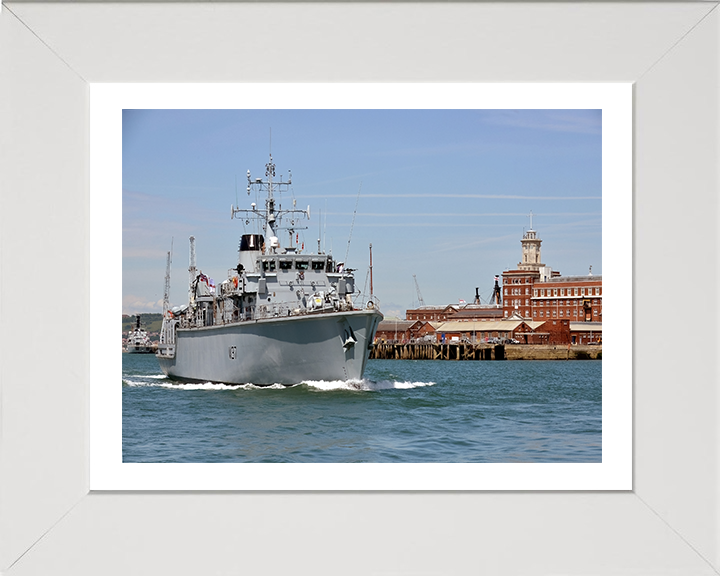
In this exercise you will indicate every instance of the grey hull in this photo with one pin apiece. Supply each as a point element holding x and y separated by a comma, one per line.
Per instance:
<point>290,350</point>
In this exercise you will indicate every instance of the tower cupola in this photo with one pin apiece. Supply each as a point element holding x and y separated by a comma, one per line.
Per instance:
<point>530,250</point>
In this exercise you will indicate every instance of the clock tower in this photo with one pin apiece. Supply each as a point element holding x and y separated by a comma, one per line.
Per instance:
<point>530,250</point>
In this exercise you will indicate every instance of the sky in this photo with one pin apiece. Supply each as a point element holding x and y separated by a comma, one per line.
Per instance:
<point>442,195</point>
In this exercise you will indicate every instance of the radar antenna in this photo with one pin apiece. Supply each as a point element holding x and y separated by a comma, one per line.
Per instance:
<point>273,213</point>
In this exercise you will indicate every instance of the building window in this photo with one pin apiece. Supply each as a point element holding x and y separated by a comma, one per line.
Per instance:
<point>554,291</point>
<point>561,313</point>
<point>575,312</point>
<point>554,313</point>
<point>576,291</point>
<point>535,313</point>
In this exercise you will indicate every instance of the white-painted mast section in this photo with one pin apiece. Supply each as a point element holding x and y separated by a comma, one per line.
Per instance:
<point>166,293</point>
<point>166,344</point>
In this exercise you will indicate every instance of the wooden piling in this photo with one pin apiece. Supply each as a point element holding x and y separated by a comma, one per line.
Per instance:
<point>481,351</point>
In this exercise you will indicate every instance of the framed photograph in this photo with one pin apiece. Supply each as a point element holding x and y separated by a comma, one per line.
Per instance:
<point>75,503</point>
<point>599,116</point>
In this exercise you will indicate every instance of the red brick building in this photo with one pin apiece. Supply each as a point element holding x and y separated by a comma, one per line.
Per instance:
<point>524,331</point>
<point>536,292</point>
<point>574,298</point>
<point>455,312</point>
<point>431,313</point>
<point>403,330</point>
<point>546,307</point>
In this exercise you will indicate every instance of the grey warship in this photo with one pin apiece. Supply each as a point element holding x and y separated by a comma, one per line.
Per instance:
<point>282,316</point>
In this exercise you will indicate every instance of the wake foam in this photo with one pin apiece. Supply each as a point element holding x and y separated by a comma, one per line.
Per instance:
<point>162,381</point>
<point>364,385</point>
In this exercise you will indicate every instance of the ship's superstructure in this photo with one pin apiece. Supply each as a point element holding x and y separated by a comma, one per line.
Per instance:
<point>138,341</point>
<point>282,315</point>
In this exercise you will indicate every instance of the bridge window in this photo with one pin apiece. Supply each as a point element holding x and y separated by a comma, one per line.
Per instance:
<point>301,264</point>
<point>269,265</point>
<point>285,264</point>
<point>318,265</point>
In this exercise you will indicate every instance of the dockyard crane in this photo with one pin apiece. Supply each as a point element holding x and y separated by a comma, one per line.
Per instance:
<point>417,287</point>
<point>496,297</point>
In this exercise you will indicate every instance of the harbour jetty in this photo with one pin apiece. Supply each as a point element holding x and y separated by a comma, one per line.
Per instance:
<point>482,351</point>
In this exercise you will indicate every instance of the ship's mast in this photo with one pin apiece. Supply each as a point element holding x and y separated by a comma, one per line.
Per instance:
<point>272,215</point>
<point>371,277</point>
<point>192,270</point>
<point>166,294</point>
<point>270,202</point>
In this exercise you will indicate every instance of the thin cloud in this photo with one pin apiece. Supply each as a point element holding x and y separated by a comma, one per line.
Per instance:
<point>132,304</point>
<point>551,121</point>
<point>441,196</point>
<point>480,242</point>
<point>459,214</point>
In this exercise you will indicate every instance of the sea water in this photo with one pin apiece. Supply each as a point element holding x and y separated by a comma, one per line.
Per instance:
<point>402,411</point>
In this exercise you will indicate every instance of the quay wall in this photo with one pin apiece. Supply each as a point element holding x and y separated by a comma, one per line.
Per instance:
<point>462,351</point>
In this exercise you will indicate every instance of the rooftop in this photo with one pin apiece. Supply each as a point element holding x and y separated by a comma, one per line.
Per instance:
<point>556,279</point>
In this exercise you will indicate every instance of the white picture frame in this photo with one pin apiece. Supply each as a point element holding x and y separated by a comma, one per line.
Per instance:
<point>666,525</point>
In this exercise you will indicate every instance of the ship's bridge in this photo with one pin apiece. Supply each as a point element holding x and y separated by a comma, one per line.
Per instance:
<point>300,262</point>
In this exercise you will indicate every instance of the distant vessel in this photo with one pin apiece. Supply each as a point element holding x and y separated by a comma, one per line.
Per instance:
<point>282,316</point>
<point>138,341</point>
